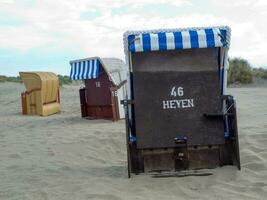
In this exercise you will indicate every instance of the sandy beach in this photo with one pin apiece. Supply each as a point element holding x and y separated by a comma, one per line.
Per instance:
<point>65,157</point>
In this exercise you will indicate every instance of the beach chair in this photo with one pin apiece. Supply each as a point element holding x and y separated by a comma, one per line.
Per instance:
<point>42,93</point>
<point>178,113</point>
<point>104,87</point>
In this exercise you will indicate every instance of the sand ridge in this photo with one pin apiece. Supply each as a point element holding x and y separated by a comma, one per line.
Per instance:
<point>66,157</point>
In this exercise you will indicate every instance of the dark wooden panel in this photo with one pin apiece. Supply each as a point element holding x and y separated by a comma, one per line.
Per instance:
<point>100,112</point>
<point>177,60</point>
<point>24,103</point>
<point>157,127</point>
<point>204,158</point>
<point>98,90</point>
<point>83,102</point>
<point>160,161</point>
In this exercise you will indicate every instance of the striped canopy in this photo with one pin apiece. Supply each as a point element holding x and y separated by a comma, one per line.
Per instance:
<point>84,69</point>
<point>145,41</point>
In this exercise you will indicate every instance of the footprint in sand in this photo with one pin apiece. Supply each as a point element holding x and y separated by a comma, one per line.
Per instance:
<point>103,196</point>
<point>17,156</point>
<point>255,166</point>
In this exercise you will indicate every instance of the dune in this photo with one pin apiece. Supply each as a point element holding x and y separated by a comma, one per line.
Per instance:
<point>66,157</point>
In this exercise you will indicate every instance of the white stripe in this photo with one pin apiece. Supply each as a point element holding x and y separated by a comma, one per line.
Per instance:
<point>72,65</point>
<point>186,40</point>
<point>82,68</point>
<point>217,38</point>
<point>202,41</point>
<point>226,65</point>
<point>93,68</point>
<point>138,43</point>
<point>170,41</point>
<point>74,75</point>
<point>154,42</point>
<point>71,71</point>
<point>86,69</point>
<point>90,69</point>
<point>95,64</point>
<point>76,71</point>
<point>77,74</point>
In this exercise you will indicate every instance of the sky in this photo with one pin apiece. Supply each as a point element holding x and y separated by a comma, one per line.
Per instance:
<point>44,35</point>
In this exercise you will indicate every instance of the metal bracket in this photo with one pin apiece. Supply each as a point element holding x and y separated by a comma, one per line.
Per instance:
<point>180,140</point>
<point>126,102</point>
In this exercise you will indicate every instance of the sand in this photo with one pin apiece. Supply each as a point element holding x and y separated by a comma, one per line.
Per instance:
<point>66,157</point>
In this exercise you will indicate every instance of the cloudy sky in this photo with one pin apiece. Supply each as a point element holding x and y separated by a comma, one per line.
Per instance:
<point>46,34</point>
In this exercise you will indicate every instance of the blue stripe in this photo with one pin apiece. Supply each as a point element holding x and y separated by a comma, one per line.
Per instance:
<point>178,40</point>
<point>219,62</point>
<point>87,72</point>
<point>162,41</point>
<point>220,71</point>
<point>146,42</point>
<point>194,39</point>
<point>83,69</point>
<point>97,69</point>
<point>71,70</point>
<point>222,77</point>
<point>92,70</point>
<point>74,74</point>
<point>131,42</point>
<point>89,67</point>
<point>76,71</point>
<point>223,38</point>
<point>210,38</point>
<point>79,70</point>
